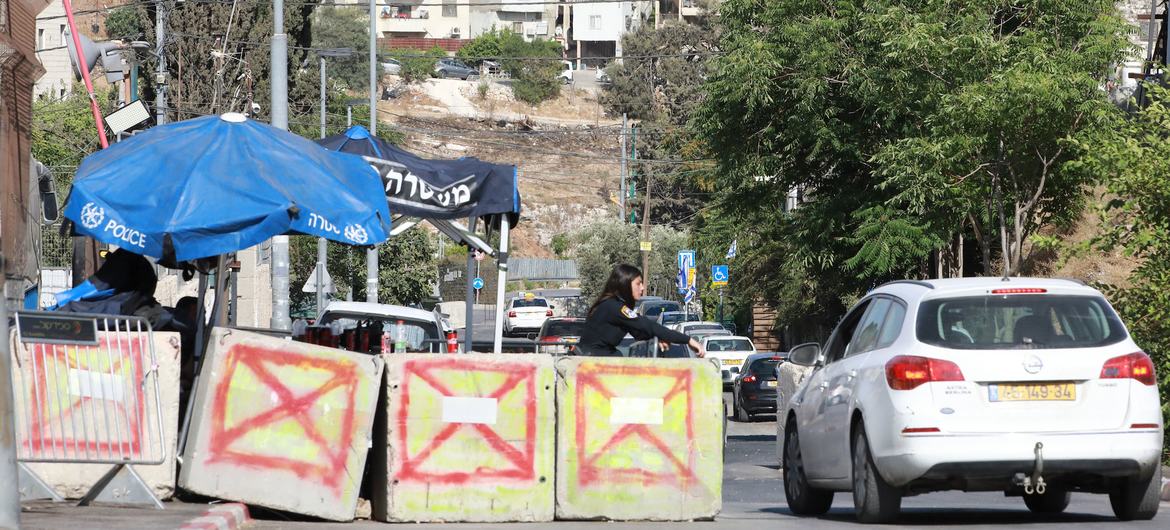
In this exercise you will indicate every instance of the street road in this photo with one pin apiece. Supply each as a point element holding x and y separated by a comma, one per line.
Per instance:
<point>753,498</point>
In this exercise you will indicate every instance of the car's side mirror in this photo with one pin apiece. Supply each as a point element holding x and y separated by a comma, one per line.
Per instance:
<point>805,354</point>
<point>552,307</point>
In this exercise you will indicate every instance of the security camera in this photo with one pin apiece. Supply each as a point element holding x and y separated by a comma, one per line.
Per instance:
<point>255,109</point>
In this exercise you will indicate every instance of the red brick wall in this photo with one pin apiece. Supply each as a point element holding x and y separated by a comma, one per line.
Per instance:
<point>420,43</point>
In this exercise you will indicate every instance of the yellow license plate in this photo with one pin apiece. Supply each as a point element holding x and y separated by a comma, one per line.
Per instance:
<point>772,384</point>
<point>1033,392</point>
<point>732,362</point>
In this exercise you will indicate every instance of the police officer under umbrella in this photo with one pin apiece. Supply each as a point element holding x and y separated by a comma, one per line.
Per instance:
<point>611,317</point>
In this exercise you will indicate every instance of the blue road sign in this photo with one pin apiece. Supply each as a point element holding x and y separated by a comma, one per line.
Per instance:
<point>719,275</point>
<point>477,283</point>
<point>686,259</point>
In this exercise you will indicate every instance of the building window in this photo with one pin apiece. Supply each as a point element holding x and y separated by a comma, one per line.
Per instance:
<point>595,22</point>
<point>450,9</point>
<point>61,34</point>
<point>40,38</point>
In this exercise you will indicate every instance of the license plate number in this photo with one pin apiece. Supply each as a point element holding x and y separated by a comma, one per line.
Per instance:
<point>1033,392</point>
<point>772,384</point>
<point>732,362</point>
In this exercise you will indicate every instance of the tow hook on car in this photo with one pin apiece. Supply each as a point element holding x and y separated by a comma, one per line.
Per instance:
<point>1034,485</point>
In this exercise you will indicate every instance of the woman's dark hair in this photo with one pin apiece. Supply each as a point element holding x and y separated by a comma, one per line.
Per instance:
<point>619,285</point>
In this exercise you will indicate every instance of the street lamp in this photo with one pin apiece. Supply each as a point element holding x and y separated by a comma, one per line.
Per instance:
<point>322,245</point>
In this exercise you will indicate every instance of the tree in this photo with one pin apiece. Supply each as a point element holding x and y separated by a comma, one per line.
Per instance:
<point>489,45</point>
<point>533,66</point>
<point>897,126</point>
<point>601,245</point>
<point>659,85</point>
<point>417,65</point>
<point>335,27</point>
<point>124,23</point>
<point>1129,155</point>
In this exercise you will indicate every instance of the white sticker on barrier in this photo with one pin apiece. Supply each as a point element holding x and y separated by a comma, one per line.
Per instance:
<point>469,410</point>
<point>642,411</point>
<point>95,385</point>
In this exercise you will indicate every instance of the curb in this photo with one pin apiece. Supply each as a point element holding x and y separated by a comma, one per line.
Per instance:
<point>231,516</point>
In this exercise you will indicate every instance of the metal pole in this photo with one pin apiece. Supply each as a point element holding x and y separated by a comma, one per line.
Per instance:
<point>469,316</point>
<point>160,73</point>
<point>9,495</point>
<point>279,69</point>
<point>646,226</point>
<point>93,104</point>
<point>501,283</point>
<point>372,253</point>
<point>322,245</point>
<point>622,188</point>
<point>321,59</point>
<point>348,116</point>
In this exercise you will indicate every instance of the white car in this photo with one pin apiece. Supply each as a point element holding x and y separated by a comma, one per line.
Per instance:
<point>1032,387</point>
<point>731,350</point>
<point>566,75</point>
<point>690,328</point>
<point>526,314</point>
<point>384,328</point>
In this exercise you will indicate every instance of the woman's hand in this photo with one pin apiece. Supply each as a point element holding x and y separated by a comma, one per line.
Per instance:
<point>699,351</point>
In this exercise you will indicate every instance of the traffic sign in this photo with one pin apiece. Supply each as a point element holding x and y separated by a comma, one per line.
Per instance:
<point>719,275</point>
<point>646,246</point>
<point>477,283</point>
<point>311,283</point>
<point>686,259</point>
<point>478,257</point>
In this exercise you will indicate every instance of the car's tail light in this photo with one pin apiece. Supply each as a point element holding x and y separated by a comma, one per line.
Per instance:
<point>1136,365</point>
<point>907,372</point>
<point>1019,290</point>
<point>1144,426</point>
<point>750,379</point>
<point>511,314</point>
<point>548,313</point>
<point>919,430</point>
<point>551,338</point>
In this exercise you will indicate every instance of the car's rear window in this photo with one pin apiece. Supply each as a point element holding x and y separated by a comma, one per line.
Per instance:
<point>536,302</point>
<point>676,351</point>
<point>729,345</point>
<point>653,309</point>
<point>764,368</point>
<point>564,329</point>
<point>1000,322</point>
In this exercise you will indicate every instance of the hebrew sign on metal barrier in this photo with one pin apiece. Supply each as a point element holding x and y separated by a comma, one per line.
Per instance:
<point>87,392</point>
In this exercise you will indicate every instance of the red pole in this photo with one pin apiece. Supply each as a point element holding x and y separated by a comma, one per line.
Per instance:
<point>97,113</point>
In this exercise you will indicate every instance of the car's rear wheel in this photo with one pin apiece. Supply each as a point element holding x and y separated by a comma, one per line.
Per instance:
<point>741,414</point>
<point>802,498</point>
<point>1054,500</point>
<point>442,74</point>
<point>1137,500</point>
<point>874,500</point>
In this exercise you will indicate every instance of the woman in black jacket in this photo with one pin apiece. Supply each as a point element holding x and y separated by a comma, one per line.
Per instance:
<point>611,317</point>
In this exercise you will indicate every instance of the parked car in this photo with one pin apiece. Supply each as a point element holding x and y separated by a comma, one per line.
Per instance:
<point>652,306</point>
<point>754,389</point>
<point>526,314</point>
<point>731,351</point>
<point>376,328</point>
<point>392,67</point>
<point>649,348</point>
<point>1028,386</point>
<point>566,75</point>
<point>788,379</point>
<point>704,333</point>
<point>453,68</point>
<point>559,336</point>
<point>603,78</point>
<point>690,328</point>
<point>671,319</point>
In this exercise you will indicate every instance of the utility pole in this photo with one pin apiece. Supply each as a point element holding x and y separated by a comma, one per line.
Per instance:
<point>646,227</point>
<point>372,253</point>
<point>622,188</point>
<point>10,494</point>
<point>160,72</point>
<point>279,114</point>
<point>322,245</point>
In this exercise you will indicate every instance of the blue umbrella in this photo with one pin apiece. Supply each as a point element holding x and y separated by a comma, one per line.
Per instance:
<point>220,184</point>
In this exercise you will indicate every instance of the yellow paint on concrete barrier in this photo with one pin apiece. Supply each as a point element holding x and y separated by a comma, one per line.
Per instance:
<point>468,438</point>
<point>639,439</point>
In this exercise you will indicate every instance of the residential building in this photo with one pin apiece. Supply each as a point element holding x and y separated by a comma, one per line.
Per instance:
<point>424,24</point>
<point>19,70</point>
<point>52,39</point>
<point>534,19</point>
<point>682,10</point>
<point>596,28</point>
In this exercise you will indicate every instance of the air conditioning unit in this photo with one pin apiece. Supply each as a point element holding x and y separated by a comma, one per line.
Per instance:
<point>455,32</point>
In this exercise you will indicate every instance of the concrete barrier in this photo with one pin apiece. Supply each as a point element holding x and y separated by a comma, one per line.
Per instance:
<point>73,480</point>
<point>467,438</point>
<point>639,439</point>
<point>281,424</point>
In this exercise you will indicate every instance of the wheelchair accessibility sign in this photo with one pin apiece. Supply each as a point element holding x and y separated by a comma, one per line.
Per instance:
<point>719,275</point>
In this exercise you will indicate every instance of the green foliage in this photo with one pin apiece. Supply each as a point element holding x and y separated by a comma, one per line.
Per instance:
<point>63,130</point>
<point>490,44</point>
<point>601,245</point>
<point>417,65</point>
<point>344,28</point>
<point>1129,154</point>
<point>309,124</point>
<point>123,23</point>
<point>407,270</point>
<point>560,245</point>
<point>533,66</point>
<point>898,125</point>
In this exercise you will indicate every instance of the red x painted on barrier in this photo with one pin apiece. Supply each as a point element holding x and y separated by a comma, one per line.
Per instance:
<point>592,377</point>
<point>87,403</point>
<point>343,375</point>
<point>522,463</point>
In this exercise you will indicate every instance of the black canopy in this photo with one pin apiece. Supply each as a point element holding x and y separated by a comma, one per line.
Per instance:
<point>435,189</point>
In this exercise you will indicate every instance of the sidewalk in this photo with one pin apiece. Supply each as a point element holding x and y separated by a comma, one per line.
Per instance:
<point>45,515</point>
